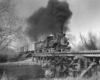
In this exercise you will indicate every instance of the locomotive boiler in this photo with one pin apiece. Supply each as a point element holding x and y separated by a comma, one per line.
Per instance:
<point>53,43</point>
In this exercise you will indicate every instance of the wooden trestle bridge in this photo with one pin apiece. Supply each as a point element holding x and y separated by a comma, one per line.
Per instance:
<point>82,63</point>
<point>71,63</point>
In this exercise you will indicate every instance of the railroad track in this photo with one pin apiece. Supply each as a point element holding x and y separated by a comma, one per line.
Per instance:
<point>92,53</point>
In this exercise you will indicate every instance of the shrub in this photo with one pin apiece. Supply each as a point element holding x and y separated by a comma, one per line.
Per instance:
<point>3,58</point>
<point>89,43</point>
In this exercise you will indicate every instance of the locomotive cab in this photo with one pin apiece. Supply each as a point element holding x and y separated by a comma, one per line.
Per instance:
<point>49,38</point>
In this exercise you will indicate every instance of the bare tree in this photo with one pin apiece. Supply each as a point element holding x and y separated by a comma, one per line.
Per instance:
<point>89,43</point>
<point>10,24</point>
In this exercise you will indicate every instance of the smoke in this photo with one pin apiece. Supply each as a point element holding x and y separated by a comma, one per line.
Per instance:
<point>49,20</point>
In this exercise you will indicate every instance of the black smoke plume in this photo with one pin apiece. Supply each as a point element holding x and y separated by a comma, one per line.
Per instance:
<point>49,20</point>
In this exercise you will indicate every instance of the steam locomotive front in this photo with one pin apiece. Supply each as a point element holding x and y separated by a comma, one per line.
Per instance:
<point>58,43</point>
<point>65,43</point>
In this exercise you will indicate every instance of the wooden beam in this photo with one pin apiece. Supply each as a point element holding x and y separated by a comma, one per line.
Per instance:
<point>85,71</point>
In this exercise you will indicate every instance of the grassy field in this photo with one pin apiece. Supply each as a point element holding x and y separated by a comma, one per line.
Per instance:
<point>19,74</point>
<point>34,73</point>
<point>4,77</point>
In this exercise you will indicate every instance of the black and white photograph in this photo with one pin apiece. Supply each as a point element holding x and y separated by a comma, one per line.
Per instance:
<point>49,39</point>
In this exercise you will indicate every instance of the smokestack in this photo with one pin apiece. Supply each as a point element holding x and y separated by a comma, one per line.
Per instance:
<point>49,20</point>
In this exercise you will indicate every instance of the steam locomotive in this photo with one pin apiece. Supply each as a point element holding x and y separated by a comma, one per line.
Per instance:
<point>57,43</point>
<point>52,43</point>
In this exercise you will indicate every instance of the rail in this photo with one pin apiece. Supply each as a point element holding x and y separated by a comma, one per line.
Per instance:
<point>92,53</point>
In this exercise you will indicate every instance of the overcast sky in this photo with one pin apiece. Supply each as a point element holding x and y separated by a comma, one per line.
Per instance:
<point>85,18</point>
